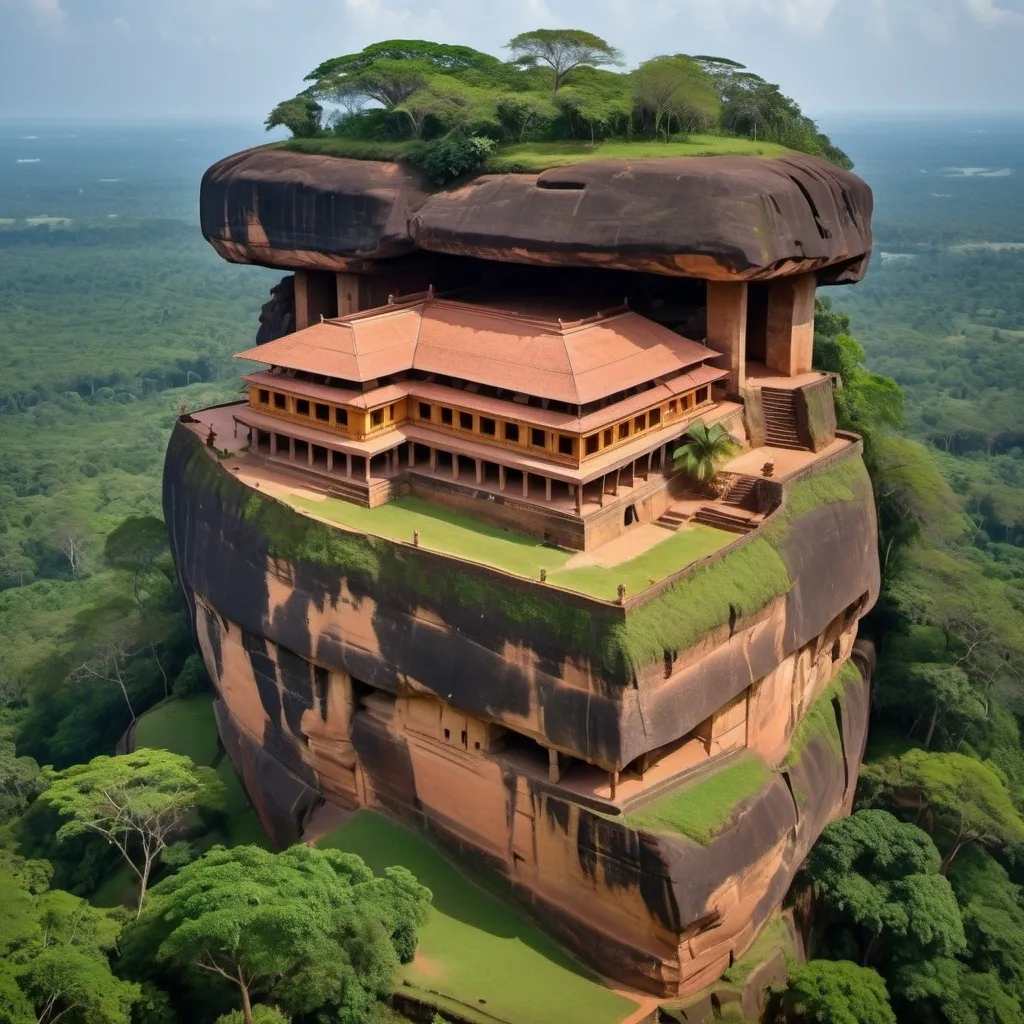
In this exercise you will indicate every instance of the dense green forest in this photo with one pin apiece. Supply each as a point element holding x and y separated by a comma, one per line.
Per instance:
<point>451,108</point>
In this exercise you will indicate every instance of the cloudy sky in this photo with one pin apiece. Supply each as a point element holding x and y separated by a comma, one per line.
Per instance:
<point>183,58</point>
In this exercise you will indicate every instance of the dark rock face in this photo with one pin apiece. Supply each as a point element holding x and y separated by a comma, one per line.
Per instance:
<point>277,315</point>
<point>717,218</point>
<point>281,209</point>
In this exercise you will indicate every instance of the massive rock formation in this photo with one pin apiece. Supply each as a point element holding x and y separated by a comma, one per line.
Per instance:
<point>714,218</point>
<point>527,727</point>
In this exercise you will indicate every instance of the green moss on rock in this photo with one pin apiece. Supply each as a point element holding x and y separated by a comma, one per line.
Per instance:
<point>701,809</point>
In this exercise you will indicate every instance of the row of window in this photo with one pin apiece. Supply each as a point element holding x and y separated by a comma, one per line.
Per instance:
<point>505,430</point>
<point>321,411</point>
<point>564,444</point>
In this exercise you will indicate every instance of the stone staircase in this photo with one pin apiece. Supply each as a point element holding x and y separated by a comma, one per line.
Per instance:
<point>712,515</point>
<point>739,491</point>
<point>673,519</point>
<point>780,419</point>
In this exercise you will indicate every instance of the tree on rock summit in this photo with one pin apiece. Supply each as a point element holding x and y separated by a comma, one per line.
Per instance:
<point>563,50</point>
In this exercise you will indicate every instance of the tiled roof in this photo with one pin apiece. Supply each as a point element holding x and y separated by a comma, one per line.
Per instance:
<point>572,362</point>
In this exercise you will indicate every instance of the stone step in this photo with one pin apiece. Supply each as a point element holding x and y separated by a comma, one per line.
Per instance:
<point>711,516</point>
<point>673,520</point>
<point>741,489</point>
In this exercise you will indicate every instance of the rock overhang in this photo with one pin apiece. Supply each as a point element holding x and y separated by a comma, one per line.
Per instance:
<point>714,218</point>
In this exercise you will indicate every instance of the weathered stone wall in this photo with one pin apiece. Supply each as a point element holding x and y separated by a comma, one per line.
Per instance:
<point>329,676</point>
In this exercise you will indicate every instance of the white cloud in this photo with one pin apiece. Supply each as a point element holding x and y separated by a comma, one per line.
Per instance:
<point>990,12</point>
<point>49,12</point>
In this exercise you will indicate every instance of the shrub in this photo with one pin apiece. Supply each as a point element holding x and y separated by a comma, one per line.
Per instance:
<point>453,155</point>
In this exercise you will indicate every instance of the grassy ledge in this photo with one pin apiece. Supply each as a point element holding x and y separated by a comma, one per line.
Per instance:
<point>701,809</point>
<point>533,157</point>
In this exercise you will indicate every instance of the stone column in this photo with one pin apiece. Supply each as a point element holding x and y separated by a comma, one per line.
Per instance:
<point>433,460</point>
<point>309,453</point>
<point>412,454</point>
<point>291,448</point>
<point>554,775</point>
<point>727,327</point>
<point>273,442</point>
<point>547,488</point>
<point>479,471</point>
<point>526,484</point>
<point>579,499</point>
<point>790,332</point>
<point>455,467</point>
<point>367,459</point>
<point>349,293</point>
<point>330,460</point>
<point>348,465</point>
<point>501,477</point>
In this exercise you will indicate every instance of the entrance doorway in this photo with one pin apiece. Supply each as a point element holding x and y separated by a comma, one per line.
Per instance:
<point>757,322</point>
<point>630,517</point>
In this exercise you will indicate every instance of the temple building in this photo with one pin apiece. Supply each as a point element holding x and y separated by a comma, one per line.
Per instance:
<point>460,401</point>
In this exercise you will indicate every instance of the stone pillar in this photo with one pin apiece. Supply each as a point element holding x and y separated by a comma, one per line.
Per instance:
<point>547,488</point>
<point>309,453</point>
<point>604,486</point>
<point>433,460</point>
<point>455,467</point>
<point>412,454</point>
<point>330,460</point>
<point>273,442</point>
<point>615,486</point>
<point>727,327</point>
<point>479,471</point>
<point>579,500</point>
<point>554,775</point>
<point>501,477</point>
<point>790,332</point>
<point>526,484</point>
<point>367,459</point>
<point>315,297</point>
<point>349,293</point>
<point>291,448</point>
<point>348,465</point>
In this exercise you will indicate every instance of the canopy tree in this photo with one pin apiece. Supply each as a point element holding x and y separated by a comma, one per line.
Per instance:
<point>306,929</point>
<point>563,50</point>
<point>878,881</point>
<point>53,959</point>
<point>836,992</point>
<point>301,115</point>
<point>674,88</point>
<point>955,797</point>
<point>138,802</point>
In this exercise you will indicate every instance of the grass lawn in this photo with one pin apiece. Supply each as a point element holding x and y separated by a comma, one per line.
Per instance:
<point>681,549</point>
<point>182,727</point>
<point>476,950</point>
<point>530,157</point>
<point>700,809</point>
<point>188,727</point>
<point>537,156</point>
<point>466,537</point>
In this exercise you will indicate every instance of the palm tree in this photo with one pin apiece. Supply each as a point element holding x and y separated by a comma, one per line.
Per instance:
<point>706,450</point>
